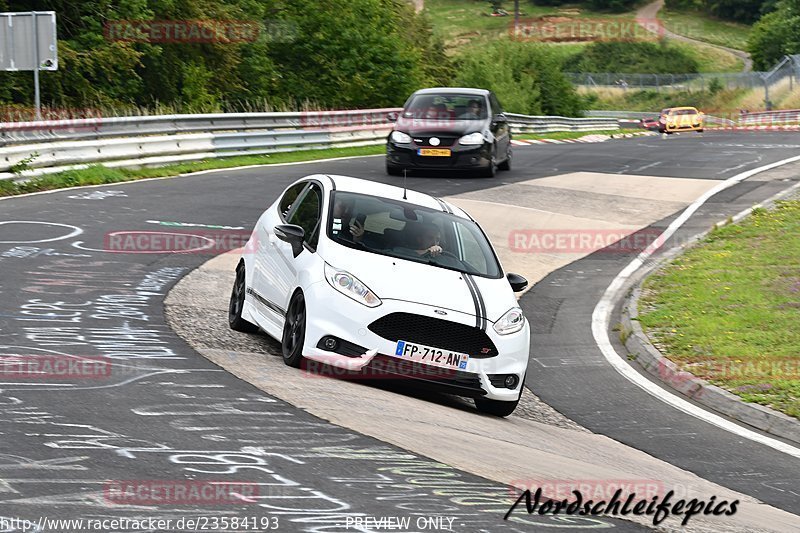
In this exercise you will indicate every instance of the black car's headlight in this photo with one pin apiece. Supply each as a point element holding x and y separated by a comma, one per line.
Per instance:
<point>400,138</point>
<point>472,139</point>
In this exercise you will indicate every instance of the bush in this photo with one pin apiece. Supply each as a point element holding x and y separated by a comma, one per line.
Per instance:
<point>632,57</point>
<point>775,35</point>
<point>526,78</point>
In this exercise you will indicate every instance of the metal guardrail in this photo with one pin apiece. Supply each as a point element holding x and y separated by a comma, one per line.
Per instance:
<point>768,118</point>
<point>551,124</point>
<point>52,146</point>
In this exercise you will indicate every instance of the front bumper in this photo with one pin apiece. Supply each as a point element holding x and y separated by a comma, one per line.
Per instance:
<point>461,157</point>
<point>351,322</point>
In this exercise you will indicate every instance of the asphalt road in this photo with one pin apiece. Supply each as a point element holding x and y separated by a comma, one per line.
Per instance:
<point>163,413</point>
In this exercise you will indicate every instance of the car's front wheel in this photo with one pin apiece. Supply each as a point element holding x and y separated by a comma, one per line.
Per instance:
<point>393,170</point>
<point>491,170</point>
<point>506,165</point>
<point>236,304</point>
<point>294,331</point>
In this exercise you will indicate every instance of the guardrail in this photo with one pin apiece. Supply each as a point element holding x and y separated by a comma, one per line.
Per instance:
<point>34,148</point>
<point>761,118</point>
<point>551,124</point>
<point>637,115</point>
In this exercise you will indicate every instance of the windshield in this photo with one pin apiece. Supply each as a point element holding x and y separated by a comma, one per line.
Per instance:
<point>446,106</point>
<point>407,231</point>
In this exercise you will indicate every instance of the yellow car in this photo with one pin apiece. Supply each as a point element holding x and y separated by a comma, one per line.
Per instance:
<point>681,119</point>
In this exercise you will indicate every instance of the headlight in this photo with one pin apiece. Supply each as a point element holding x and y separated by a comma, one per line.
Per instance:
<point>400,138</point>
<point>472,138</point>
<point>350,286</point>
<point>511,322</point>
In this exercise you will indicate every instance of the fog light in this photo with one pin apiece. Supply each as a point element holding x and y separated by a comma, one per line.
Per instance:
<point>330,343</point>
<point>511,381</point>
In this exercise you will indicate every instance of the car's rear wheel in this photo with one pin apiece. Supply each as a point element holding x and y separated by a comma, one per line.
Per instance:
<point>294,331</point>
<point>393,170</point>
<point>495,407</point>
<point>236,304</point>
<point>506,165</point>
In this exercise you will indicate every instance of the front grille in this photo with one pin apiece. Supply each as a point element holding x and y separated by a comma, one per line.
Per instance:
<point>445,379</point>
<point>435,332</point>
<point>443,141</point>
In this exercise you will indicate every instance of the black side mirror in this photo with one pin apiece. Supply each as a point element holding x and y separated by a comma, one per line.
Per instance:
<point>518,283</point>
<point>292,234</point>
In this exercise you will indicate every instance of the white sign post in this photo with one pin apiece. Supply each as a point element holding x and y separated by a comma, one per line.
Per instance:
<point>28,42</point>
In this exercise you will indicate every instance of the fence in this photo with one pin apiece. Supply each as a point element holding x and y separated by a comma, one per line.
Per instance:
<point>784,75</point>
<point>33,148</point>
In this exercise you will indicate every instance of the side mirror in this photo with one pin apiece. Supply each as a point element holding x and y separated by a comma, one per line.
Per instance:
<point>292,234</point>
<point>518,283</point>
<point>392,116</point>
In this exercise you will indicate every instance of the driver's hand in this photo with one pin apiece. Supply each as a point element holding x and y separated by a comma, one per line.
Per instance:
<point>435,250</point>
<point>356,230</point>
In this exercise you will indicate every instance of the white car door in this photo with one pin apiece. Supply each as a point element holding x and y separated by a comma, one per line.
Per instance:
<point>284,267</point>
<point>269,262</point>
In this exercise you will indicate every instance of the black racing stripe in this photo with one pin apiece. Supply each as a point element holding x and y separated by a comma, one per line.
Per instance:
<point>477,299</point>
<point>443,205</point>
<point>481,303</point>
<point>266,303</point>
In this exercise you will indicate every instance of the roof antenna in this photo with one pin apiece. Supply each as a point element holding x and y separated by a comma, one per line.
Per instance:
<point>405,172</point>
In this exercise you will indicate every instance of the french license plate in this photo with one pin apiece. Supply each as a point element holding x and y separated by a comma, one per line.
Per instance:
<point>430,355</point>
<point>435,152</point>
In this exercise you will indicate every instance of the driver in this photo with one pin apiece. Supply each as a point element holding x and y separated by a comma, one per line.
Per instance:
<point>426,239</point>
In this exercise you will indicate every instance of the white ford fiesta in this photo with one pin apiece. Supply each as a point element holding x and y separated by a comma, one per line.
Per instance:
<point>380,281</point>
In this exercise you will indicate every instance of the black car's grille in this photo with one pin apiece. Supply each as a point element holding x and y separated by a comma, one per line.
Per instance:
<point>435,332</point>
<point>443,141</point>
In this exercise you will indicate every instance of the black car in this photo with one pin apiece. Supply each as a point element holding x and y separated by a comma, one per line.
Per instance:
<point>450,128</point>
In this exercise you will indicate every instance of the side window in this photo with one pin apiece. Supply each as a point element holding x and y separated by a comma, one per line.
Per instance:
<point>471,250</point>
<point>308,213</point>
<point>289,198</point>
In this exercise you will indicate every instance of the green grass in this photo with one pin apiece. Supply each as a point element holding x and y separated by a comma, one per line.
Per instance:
<point>710,59</point>
<point>721,103</point>
<point>728,309</point>
<point>99,174</point>
<point>699,26</point>
<point>463,23</point>
<point>562,135</point>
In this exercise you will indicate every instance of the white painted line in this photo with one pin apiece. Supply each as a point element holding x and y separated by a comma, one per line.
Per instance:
<point>602,315</point>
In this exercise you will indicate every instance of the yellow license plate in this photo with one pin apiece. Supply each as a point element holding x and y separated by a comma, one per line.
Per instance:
<point>435,152</point>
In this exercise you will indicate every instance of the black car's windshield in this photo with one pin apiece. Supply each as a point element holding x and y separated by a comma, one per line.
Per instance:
<point>407,231</point>
<point>446,106</point>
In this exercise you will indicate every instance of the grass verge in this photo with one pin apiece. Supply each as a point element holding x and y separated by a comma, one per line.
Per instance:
<point>697,25</point>
<point>728,309</point>
<point>99,174</point>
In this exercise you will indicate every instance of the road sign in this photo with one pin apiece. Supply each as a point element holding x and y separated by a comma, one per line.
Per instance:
<point>19,32</point>
<point>28,42</point>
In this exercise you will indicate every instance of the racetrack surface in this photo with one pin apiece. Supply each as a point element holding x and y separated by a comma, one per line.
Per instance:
<point>166,413</point>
